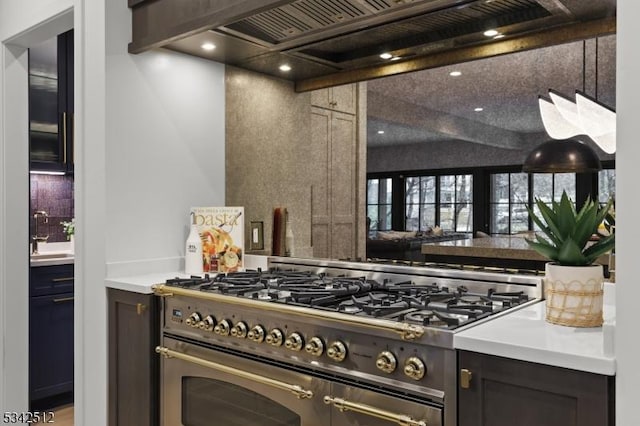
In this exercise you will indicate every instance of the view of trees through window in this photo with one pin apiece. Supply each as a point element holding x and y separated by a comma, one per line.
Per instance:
<point>379,204</point>
<point>446,201</point>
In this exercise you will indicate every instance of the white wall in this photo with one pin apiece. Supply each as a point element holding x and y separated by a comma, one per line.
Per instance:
<point>20,27</point>
<point>165,144</point>
<point>627,207</point>
<point>150,150</point>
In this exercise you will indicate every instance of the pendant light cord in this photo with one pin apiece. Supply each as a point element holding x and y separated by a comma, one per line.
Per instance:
<point>584,66</point>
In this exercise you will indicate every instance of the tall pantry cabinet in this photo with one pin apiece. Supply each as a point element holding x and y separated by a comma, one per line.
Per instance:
<point>338,175</point>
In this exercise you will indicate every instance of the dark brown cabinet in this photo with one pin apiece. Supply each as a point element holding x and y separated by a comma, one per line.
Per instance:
<point>495,391</point>
<point>133,363</point>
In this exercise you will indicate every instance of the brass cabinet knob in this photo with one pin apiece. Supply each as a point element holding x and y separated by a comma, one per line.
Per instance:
<point>465,378</point>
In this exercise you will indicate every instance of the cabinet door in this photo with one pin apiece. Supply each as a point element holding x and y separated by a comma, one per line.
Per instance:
<point>320,172</point>
<point>51,104</point>
<point>133,364</point>
<point>339,98</point>
<point>48,280</point>
<point>50,345</point>
<point>505,392</point>
<point>343,186</point>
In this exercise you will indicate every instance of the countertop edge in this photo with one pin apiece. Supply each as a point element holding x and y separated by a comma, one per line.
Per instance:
<point>602,365</point>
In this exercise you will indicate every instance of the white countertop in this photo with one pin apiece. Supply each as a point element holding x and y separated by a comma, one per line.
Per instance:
<point>129,278</point>
<point>52,254</point>
<point>525,335</point>
<point>142,283</point>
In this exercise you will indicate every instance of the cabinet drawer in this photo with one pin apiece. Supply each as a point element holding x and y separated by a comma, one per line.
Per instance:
<point>46,280</point>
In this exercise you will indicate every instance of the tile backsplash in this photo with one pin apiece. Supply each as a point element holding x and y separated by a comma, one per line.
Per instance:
<point>54,195</point>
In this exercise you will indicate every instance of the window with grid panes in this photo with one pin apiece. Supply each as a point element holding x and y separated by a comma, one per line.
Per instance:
<point>379,204</point>
<point>509,197</point>
<point>446,201</point>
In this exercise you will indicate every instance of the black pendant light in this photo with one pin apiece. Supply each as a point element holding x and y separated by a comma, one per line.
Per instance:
<point>562,156</point>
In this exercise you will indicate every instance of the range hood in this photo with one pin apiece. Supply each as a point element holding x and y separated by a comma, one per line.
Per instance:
<point>319,39</point>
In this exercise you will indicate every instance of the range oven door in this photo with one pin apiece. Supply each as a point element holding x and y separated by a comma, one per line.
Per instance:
<point>206,387</point>
<point>355,406</point>
<point>203,386</point>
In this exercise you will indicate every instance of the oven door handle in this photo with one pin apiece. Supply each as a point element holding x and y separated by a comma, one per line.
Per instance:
<point>400,419</point>
<point>297,390</point>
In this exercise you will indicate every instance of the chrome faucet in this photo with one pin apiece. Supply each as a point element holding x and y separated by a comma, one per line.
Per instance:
<point>35,238</point>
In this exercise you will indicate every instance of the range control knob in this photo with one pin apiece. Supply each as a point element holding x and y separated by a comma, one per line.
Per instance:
<point>223,328</point>
<point>207,323</point>
<point>275,337</point>
<point>337,351</point>
<point>194,319</point>
<point>415,368</point>
<point>239,330</point>
<point>386,362</point>
<point>294,342</point>
<point>256,334</point>
<point>315,346</point>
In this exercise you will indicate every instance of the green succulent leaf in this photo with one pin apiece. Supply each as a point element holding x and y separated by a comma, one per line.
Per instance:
<point>566,219</point>
<point>585,224</point>
<point>544,249</point>
<point>566,231</point>
<point>571,254</point>
<point>604,245</point>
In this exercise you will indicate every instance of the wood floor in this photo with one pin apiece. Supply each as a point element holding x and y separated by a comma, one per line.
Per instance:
<point>63,415</point>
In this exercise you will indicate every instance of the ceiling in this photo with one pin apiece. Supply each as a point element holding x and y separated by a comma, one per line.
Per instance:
<point>432,106</point>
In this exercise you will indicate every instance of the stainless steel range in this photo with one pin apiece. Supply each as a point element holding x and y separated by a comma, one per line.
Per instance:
<point>314,343</point>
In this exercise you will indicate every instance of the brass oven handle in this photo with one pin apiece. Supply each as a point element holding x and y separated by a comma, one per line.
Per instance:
<point>63,299</point>
<point>294,389</point>
<point>407,331</point>
<point>61,280</point>
<point>64,138</point>
<point>399,419</point>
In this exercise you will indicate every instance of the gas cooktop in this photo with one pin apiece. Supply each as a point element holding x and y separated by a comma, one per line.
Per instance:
<point>425,304</point>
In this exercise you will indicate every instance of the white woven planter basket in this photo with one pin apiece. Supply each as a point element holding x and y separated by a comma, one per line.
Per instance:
<point>574,295</point>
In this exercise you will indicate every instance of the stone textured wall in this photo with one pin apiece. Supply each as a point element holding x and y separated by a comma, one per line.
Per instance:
<point>268,126</point>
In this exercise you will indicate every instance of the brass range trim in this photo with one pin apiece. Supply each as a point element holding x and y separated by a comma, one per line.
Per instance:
<point>297,390</point>
<point>399,419</point>
<point>406,331</point>
<point>545,38</point>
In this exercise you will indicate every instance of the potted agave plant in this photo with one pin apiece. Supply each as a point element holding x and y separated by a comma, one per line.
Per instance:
<point>573,282</point>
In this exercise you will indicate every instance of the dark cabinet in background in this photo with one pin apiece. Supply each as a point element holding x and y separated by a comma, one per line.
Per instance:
<point>51,104</point>
<point>50,336</point>
<point>134,367</point>
<point>507,392</point>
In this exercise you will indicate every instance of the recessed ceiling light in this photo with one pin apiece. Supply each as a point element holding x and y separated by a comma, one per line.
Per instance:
<point>455,73</point>
<point>499,36</point>
<point>491,33</point>
<point>386,55</point>
<point>208,46</point>
<point>381,132</point>
<point>285,68</point>
<point>478,109</point>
